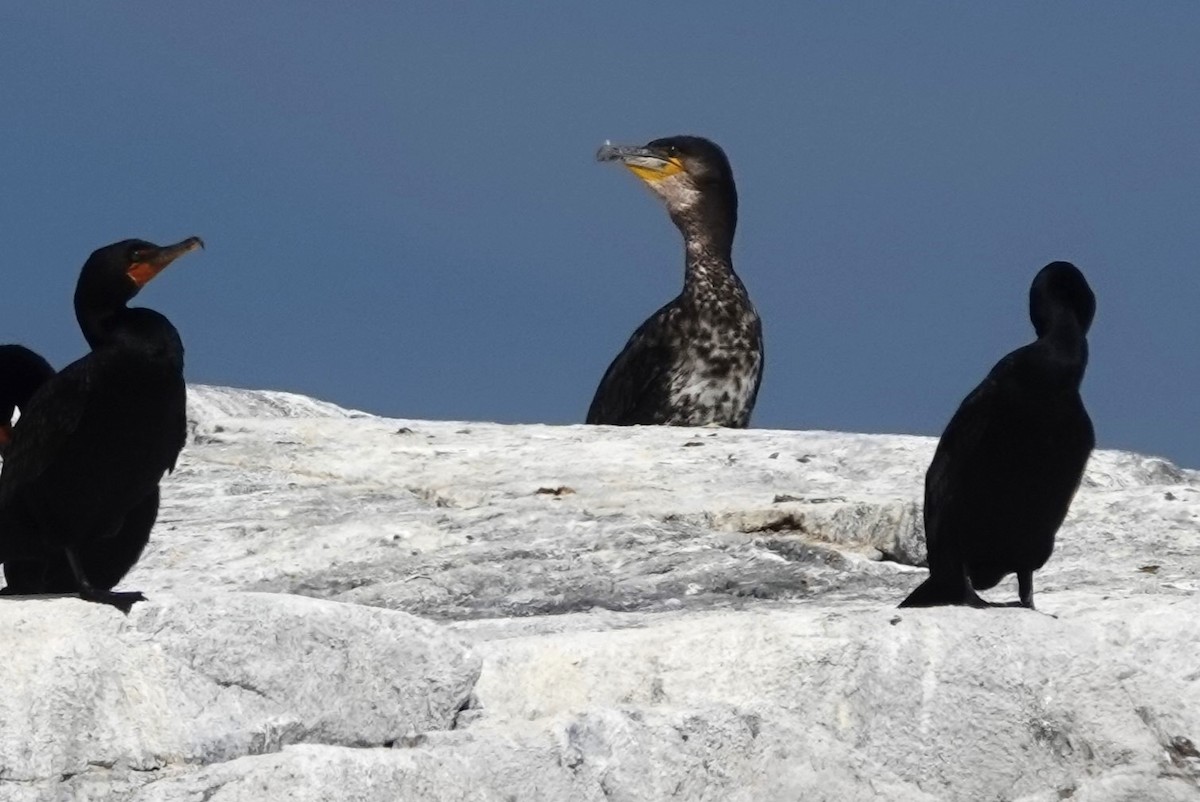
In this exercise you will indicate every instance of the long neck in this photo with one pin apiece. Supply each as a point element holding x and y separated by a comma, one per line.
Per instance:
<point>1064,342</point>
<point>98,314</point>
<point>708,247</point>
<point>107,322</point>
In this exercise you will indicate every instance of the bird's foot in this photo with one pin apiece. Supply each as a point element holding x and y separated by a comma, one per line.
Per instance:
<point>1028,605</point>
<point>973,599</point>
<point>123,601</point>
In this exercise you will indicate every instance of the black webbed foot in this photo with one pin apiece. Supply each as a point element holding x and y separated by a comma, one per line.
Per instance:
<point>970,597</point>
<point>1025,592</point>
<point>973,599</point>
<point>89,592</point>
<point>123,601</point>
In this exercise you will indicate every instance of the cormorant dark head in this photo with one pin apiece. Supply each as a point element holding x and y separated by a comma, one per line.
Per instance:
<point>22,372</point>
<point>1057,288</point>
<point>119,270</point>
<point>691,173</point>
<point>115,273</point>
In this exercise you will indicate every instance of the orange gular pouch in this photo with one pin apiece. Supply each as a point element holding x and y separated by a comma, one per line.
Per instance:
<point>142,272</point>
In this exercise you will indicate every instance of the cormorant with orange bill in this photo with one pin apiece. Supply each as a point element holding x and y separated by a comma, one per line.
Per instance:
<point>99,435</point>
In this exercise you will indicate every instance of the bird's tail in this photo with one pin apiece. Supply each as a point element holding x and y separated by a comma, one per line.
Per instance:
<point>936,592</point>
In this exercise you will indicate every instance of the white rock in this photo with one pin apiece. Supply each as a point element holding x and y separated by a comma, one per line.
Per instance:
<point>959,703</point>
<point>205,678</point>
<point>624,588</point>
<point>717,754</point>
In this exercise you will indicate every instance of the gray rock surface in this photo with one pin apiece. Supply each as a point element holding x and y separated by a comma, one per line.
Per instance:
<point>98,703</point>
<point>652,614</point>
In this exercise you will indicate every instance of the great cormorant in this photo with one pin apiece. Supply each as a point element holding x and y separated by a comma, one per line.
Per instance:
<point>81,476</point>
<point>697,361</point>
<point>1011,458</point>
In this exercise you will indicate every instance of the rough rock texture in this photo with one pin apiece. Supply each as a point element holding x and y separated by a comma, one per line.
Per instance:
<point>660,614</point>
<point>97,700</point>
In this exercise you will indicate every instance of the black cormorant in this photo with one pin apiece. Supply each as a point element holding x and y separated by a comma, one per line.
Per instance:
<point>22,372</point>
<point>81,476</point>
<point>698,360</point>
<point>1011,458</point>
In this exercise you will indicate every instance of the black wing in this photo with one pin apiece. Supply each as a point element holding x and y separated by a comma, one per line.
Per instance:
<point>960,452</point>
<point>179,429</point>
<point>54,414</point>
<point>634,388</point>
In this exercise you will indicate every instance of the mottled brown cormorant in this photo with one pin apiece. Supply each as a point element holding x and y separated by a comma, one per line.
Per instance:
<point>1011,458</point>
<point>697,361</point>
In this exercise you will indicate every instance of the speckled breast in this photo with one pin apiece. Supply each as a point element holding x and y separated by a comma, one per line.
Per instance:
<point>715,381</point>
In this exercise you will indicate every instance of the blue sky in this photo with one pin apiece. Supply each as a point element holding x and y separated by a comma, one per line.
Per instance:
<point>403,213</point>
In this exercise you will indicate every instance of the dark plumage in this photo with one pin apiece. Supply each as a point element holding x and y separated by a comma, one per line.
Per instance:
<point>22,372</point>
<point>80,481</point>
<point>698,360</point>
<point>1011,458</point>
